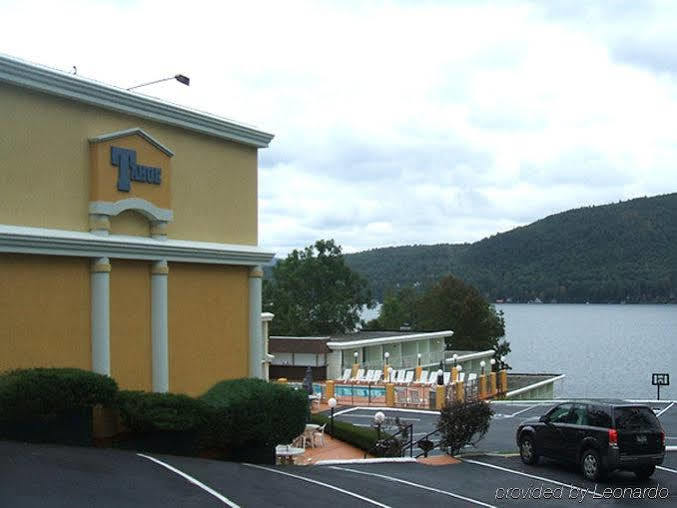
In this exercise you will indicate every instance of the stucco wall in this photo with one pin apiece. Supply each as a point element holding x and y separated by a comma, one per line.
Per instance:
<point>45,169</point>
<point>208,325</point>
<point>130,336</point>
<point>44,312</point>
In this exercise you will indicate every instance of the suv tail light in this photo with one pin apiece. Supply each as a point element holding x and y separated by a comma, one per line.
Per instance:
<point>613,437</point>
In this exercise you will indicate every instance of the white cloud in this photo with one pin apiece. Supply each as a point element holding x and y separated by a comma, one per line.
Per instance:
<point>400,122</point>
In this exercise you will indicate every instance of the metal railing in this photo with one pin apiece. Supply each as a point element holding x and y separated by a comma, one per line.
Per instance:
<point>394,445</point>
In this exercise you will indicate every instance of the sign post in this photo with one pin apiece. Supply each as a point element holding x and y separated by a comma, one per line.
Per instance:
<point>659,380</point>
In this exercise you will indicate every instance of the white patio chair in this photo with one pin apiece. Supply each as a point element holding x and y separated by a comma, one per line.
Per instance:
<point>399,376</point>
<point>319,435</point>
<point>424,378</point>
<point>408,377</point>
<point>378,374</point>
<point>447,378</point>
<point>358,375</point>
<point>461,376</point>
<point>370,375</point>
<point>346,375</point>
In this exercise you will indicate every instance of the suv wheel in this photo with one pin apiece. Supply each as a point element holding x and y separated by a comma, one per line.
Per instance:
<point>644,472</point>
<point>528,451</point>
<point>591,465</point>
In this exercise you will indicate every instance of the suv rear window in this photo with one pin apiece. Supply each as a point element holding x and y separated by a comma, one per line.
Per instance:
<point>599,417</point>
<point>632,418</point>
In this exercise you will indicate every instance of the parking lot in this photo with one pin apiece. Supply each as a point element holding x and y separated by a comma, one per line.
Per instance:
<point>49,475</point>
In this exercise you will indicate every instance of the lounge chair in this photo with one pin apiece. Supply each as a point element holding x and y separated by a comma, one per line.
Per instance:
<point>447,378</point>
<point>399,378</point>
<point>346,376</point>
<point>423,379</point>
<point>408,377</point>
<point>358,376</point>
<point>369,376</point>
<point>461,376</point>
<point>377,376</point>
<point>472,377</point>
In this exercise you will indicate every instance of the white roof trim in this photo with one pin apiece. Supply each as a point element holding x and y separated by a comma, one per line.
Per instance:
<point>135,131</point>
<point>277,337</point>
<point>57,242</point>
<point>528,388</point>
<point>394,339</point>
<point>472,356</point>
<point>50,81</point>
<point>146,208</point>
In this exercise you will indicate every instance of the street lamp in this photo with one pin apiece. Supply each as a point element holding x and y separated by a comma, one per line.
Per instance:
<point>483,364</point>
<point>455,358</point>
<point>332,404</point>
<point>390,374</point>
<point>418,356</point>
<point>502,362</point>
<point>440,377</point>
<point>181,78</point>
<point>379,418</point>
<point>356,354</point>
<point>492,362</point>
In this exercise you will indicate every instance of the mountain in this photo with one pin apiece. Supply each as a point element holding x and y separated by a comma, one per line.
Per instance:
<point>621,252</point>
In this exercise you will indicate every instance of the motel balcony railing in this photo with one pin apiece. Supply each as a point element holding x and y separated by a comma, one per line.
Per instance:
<point>403,362</point>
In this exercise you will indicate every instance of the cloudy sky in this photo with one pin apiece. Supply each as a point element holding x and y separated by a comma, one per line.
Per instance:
<point>400,122</point>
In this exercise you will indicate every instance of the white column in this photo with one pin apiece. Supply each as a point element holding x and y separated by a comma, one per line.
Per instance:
<point>100,315</point>
<point>159,326</point>
<point>255,337</point>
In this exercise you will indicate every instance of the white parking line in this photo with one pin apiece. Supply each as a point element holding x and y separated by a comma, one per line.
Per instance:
<point>522,411</point>
<point>309,480</point>
<point>665,409</point>
<point>541,478</point>
<point>389,409</point>
<point>667,469</point>
<point>412,484</point>
<point>192,480</point>
<point>372,417</point>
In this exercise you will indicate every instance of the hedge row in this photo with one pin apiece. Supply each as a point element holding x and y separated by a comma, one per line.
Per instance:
<point>47,391</point>
<point>363,437</point>
<point>232,415</point>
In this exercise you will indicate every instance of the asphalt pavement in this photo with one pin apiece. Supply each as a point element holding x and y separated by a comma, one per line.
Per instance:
<point>33,475</point>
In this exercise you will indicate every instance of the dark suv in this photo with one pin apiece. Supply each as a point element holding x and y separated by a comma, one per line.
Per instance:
<point>600,436</point>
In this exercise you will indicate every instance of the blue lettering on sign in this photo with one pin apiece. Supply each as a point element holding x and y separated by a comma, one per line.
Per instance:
<point>129,170</point>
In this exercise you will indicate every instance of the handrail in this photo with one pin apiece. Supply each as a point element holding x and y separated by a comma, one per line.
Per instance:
<point>425,438</point>
<point>407,444</point>
<point>535,385</point>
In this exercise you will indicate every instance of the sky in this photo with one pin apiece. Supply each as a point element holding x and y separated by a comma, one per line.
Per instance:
<point>399,122</point>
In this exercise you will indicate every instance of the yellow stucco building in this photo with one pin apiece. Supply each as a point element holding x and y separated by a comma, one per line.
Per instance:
<point>128,235</point>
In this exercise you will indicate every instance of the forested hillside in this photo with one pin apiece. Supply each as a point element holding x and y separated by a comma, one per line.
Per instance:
<point>622,252</point>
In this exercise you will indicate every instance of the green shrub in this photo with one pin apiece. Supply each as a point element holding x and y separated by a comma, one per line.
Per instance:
<point>461,421</point>
<point>26,393</point>
<point>253,412</point>
<point>363,437</point>
<point>145,412</point>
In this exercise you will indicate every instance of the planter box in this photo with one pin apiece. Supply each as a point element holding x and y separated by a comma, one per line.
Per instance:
<point>73,427</point>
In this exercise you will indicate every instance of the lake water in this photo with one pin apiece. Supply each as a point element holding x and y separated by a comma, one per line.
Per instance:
<point>604,350</point>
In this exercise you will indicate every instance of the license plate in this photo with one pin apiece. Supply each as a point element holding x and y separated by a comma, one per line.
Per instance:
<point>641,439</point>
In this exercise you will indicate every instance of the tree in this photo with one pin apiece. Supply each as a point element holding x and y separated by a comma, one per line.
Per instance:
<point>451,304</point>
<point>461,421</point>
<point>398,309</point>
<point>313,292</point>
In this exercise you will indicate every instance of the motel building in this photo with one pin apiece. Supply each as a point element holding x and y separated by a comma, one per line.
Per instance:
<point>128,235</point>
